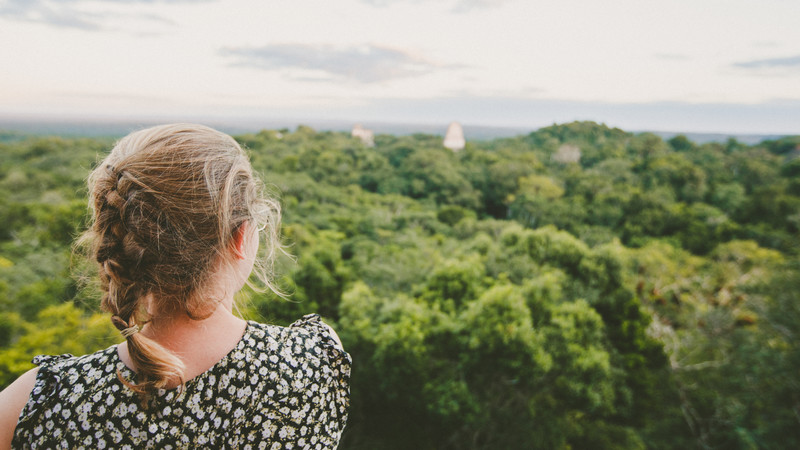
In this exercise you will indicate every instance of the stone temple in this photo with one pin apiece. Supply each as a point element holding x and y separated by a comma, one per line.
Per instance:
<point>567,153</point>
<point>454,139</point>
<point>366,136</point>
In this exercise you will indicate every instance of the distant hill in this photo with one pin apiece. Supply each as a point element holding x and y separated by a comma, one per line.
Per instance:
<point>13,128</point>
<point>702,138</point>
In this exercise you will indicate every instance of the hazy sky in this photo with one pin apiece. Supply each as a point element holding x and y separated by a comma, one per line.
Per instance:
<point>682,65</point>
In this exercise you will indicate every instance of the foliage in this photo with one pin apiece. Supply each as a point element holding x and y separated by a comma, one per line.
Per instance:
<point>641,295</point>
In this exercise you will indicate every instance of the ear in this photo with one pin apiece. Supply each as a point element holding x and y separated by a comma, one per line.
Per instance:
<point>238,240</point>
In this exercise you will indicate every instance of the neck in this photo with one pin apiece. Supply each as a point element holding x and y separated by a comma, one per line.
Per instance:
<point>179,332</point>
<point>198,343</point>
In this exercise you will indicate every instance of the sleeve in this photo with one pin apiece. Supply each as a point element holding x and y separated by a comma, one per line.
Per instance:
<point>44,391</point>
<point>334,375</point>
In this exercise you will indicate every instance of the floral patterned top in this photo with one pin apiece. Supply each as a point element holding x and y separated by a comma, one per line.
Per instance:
<point>279,388</point>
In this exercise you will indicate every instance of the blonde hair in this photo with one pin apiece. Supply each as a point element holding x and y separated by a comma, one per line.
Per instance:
<point>166,202</point>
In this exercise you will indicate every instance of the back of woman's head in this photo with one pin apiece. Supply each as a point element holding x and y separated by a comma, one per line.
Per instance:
<point>167,202</point>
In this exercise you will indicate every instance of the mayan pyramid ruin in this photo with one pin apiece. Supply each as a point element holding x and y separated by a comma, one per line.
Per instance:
<point>454,139</point>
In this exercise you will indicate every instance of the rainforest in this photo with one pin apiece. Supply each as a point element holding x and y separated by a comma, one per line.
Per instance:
<point>579,286</point>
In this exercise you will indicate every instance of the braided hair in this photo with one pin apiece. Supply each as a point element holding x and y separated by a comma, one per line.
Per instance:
<point>166,202</point>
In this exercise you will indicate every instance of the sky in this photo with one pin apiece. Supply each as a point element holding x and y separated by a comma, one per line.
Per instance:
<point>725,66</point>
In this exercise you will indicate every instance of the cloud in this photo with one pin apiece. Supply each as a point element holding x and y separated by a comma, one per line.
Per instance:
<point>469,5</point>
<point>458,6</point>
<point>791,62</point>
<point>52,13</point>
<point>366,63</point>
<point>70,14</point>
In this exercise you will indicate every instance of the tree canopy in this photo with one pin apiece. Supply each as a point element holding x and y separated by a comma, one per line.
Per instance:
<point>627,292</point>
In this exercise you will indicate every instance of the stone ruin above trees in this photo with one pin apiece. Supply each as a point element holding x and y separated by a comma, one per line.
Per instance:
<point>454,139</point>
<point>366,136</point>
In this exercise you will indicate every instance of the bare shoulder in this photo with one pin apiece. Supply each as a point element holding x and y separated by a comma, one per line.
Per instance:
<point>12,400</point>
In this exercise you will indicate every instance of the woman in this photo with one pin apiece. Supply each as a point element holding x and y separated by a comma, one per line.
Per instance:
<point>176,219</point>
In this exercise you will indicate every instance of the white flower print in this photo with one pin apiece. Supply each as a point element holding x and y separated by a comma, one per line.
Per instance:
<point>238,402</point>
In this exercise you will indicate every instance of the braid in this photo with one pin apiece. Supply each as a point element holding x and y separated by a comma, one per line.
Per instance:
<point>115,275</point>
<point>120,255</point>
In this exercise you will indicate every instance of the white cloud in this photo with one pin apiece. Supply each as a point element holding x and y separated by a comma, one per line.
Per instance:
<point>365,63</point>
<point>470,5</point>
<point>76,14</point>
<point>791,62</point>
<point>457,6</point>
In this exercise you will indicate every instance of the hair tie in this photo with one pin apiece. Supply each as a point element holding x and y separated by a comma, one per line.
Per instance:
<point>130,331</point>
